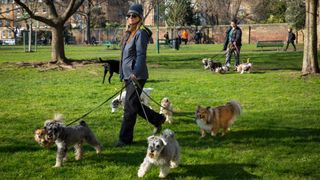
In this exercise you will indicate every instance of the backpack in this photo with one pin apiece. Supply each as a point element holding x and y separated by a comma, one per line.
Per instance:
<point>293,36</point>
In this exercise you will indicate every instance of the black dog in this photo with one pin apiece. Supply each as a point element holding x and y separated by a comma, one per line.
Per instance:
<point>112,66</point>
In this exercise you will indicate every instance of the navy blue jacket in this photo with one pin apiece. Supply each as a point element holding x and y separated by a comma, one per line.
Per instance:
<point>236,37</point>
<point>291,37</point>
<point>134,54</point>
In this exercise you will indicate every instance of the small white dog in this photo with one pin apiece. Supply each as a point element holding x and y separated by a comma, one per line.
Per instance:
<point>117,101</point>
<point>166,109</point>
<point>244,67</point>
<point>162,151</point>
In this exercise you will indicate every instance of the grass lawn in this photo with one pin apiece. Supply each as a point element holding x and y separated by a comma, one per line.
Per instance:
<point>276,137</point>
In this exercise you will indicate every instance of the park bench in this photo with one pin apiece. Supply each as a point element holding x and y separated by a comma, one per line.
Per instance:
<point>163,42</point>
<point>111,44</point>
<point>272,43</point>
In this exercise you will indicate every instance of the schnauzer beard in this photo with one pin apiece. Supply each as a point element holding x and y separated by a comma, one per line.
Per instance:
<point>57,121</point>
<point>156,145</point>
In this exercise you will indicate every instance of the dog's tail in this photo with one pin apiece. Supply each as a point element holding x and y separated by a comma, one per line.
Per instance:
<point>248,60</point>
<point>236,107</point>
<point>168,134</point>
<point>58,117</point>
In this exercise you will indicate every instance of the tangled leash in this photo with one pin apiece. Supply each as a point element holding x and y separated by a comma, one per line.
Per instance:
<point>138,86</point>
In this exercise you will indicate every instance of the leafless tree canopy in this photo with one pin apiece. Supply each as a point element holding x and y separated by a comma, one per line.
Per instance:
<point>218,11</point>
<point>58,13</point>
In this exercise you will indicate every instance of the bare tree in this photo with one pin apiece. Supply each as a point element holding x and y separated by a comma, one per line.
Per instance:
<point>175,12</point>
<point>56,19</point>
<point>218,11</point>
<point>310,53</point>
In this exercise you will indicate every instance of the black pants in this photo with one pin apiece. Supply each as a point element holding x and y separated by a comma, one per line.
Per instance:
<point>132,108</point>
<point>292,45</point>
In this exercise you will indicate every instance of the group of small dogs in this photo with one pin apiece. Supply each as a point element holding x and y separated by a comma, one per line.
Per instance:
<point>216,66</point>
<point>163,150</point>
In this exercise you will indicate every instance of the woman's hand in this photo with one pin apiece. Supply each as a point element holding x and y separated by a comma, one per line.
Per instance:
<point>133,77</point>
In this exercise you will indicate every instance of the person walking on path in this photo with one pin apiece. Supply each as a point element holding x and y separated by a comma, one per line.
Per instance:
<point>232,43</point>
<point>291,38</point>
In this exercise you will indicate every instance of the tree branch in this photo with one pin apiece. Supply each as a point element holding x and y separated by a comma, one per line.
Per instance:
<point>72,8</point>
<point>33,16</point>
<point>52,8</point>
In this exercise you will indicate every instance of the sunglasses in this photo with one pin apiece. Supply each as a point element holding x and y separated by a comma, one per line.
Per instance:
<point>131,15</point>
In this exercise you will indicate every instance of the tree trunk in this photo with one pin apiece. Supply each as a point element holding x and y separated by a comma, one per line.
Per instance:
<point>88,29</point>
<point>58,55</point>
<point>89,23</point>
<point>310,54</point>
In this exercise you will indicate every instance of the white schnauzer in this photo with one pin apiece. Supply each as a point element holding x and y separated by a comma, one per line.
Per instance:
<point>66,136</point>
<point>162,151</point>
<point>117,101</point>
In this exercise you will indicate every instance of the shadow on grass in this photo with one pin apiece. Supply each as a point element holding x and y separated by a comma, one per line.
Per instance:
<point>19,148</point>
<point>13,145</point>
<point>123,158</point>
<point>218,171</point>
<point>156,81</point>
<point>274,135</point>
<point>260,137</point>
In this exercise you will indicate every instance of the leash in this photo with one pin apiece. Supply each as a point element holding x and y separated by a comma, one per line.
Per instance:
<point>93,109</point>
<point>135,84</point>
<point>138,86</point>
<point>218,55</point>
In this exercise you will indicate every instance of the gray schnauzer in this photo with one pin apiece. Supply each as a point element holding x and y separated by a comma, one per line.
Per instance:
<point>66,136</point>
<point>162,151</point>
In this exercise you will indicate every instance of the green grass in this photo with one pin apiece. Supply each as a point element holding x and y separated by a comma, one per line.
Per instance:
<point>276,137</point>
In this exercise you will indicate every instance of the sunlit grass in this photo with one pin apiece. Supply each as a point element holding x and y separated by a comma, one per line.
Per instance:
<point>276,137</point>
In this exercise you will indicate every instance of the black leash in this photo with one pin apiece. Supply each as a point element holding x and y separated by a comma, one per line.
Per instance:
<point>93,109</point>
<point>218,55</point>
<point>135,84</point>
<point>138,86</point>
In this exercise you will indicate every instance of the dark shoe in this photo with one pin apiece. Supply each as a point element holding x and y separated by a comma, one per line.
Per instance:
<point>120,144</point>
<point>158,128</point>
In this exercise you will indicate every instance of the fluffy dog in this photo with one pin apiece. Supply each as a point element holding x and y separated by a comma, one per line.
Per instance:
<point>212,119</point>
<point>244,67</point>
<point>222,69</point>
<point>166,109</point>
<point>40,137</point>
<point>66,136</point>
<point>205,63</point>
<point>162,151</point>
<point>117,101</point>
<point>214,65</point>
<point>111,66</point>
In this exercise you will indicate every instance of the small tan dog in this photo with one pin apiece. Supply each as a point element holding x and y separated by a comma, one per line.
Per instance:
<point>244,67</point>
<point>166,109</point>
<point>212,119</point>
